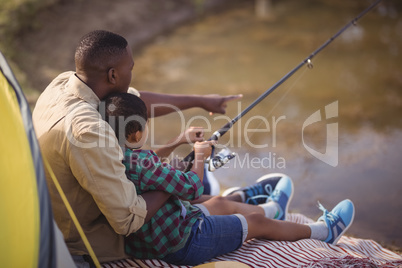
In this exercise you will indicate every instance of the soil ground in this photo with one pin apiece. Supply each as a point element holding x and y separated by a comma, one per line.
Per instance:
<point>47,48</point>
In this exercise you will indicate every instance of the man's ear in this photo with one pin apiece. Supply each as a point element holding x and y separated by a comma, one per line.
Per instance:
<point>112,76</point>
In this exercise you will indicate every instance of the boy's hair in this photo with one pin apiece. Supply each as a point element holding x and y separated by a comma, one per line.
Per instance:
<point>99,50</point>
<point>125,113</point>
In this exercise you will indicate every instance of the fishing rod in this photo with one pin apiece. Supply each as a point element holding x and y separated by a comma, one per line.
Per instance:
<point>218,162</point>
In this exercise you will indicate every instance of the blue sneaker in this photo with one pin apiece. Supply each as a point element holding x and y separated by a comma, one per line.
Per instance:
<point>259,192</point>
<point>338,220</point>
<point>282,195</point>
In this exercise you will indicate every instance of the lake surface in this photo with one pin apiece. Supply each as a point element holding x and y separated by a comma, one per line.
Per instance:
<point>353,150</point>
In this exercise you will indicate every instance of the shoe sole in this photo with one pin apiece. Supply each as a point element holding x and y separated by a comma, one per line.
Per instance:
<point>230,191</point>
<point>271,175</point>
<point>267,176</point>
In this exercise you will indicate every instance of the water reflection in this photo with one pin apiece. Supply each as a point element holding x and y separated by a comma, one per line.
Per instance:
<point>233,52</point>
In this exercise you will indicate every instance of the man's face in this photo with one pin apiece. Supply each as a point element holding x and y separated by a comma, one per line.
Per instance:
<point>124,69</point>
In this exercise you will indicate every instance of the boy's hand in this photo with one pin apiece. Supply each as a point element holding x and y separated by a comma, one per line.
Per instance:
<point>204,148</point>
<point>192,134</point>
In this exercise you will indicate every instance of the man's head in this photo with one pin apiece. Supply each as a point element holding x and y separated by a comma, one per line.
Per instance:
<point>127,115</point>
<point>104,60</point>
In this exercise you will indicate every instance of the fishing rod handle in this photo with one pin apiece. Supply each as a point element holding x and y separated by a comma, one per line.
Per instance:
<point>190,156</point>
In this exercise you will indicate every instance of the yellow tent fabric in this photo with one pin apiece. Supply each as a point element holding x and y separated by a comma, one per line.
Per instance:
<point>19,227</point>
<point>28,235</point>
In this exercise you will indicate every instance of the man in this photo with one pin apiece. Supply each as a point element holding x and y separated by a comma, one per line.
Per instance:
<point>84,153</point>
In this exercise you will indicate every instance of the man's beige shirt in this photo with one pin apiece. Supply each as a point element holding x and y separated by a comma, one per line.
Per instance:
<point>87,161</point>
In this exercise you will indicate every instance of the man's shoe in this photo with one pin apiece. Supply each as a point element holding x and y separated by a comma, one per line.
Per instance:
<point>259,192</point>
<point>282,195</point>
<point>338,220</point>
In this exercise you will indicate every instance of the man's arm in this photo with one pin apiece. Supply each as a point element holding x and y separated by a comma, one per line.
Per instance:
<point>155,200</point>
<point>160,104</point>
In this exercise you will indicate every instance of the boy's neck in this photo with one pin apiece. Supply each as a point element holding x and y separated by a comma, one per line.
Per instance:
<point>132,148</point>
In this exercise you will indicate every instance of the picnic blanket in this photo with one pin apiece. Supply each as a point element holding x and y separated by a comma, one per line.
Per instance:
<point>349,252</point>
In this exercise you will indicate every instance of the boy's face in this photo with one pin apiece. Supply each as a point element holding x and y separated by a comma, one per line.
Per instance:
<point>137,140</point>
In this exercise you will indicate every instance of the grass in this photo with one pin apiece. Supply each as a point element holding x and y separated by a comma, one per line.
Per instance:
<point>17,17</point>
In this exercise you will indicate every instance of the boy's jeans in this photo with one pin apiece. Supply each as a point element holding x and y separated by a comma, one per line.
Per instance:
<point>211,236</point>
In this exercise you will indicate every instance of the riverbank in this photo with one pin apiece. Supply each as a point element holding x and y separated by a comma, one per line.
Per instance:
<point>45,47</point>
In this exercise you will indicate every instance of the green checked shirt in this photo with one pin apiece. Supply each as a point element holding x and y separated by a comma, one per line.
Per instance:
<point>169,228</point>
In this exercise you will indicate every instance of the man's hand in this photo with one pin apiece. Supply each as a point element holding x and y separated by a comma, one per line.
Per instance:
<point>215,103</point>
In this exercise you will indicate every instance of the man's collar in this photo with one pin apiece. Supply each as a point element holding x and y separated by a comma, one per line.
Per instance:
<point>79,89</point>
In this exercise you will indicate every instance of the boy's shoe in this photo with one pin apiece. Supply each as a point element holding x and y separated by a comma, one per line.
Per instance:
<point>259,192</point>
<point>338,220</point>
<point>282,195</point>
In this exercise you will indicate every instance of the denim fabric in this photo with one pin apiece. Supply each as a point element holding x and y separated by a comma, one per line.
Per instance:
<point>80,262</point>
<point>210,237</point>
<point>203,209</point>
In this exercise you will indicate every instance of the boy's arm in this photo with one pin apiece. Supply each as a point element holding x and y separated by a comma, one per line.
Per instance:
<point>191,135</point>
<point>202,150</point>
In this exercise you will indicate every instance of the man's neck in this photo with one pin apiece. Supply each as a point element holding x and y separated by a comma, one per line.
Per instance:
<point>97,86</point>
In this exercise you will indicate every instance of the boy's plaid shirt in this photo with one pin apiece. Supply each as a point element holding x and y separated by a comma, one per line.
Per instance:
<point>169,228</point>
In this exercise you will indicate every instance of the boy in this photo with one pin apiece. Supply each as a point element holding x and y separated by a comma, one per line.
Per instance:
<point>183,234</point>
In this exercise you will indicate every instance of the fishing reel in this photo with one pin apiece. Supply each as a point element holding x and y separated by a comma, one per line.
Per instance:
<point>220,159</point>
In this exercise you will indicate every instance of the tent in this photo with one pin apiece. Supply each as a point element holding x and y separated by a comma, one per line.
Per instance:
<point>29,236</point>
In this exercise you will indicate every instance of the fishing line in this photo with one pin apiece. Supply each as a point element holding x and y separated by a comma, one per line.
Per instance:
<point>307,61</point>
<point>281,99</point>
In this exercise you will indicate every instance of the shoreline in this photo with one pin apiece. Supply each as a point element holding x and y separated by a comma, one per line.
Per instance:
<point>47,49</point>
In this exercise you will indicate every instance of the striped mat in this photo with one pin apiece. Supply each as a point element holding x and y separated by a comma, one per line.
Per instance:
<point>349,252</point>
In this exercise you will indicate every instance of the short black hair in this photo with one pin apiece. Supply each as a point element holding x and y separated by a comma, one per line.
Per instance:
<point>125,113</point>
<point>99,50</point>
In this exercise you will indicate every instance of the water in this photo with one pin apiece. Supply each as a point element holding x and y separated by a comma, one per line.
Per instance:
<point>359,73</point>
